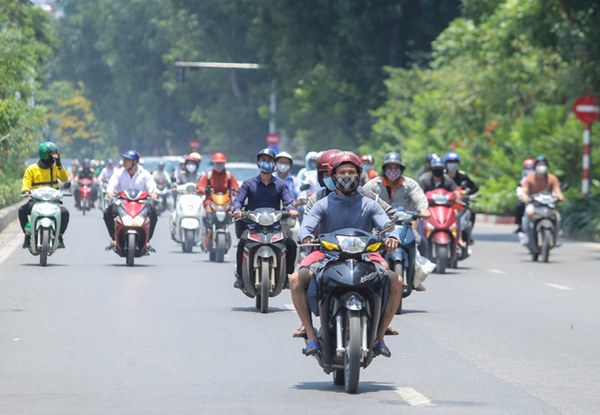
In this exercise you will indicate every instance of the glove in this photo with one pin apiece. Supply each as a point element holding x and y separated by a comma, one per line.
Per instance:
<point>57,160</point>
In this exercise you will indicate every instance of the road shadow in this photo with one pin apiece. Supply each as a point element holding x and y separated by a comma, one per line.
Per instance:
<point>48,265</point>
<point>495,237</point>
<point>413,311</point>
<point>136,265</point>
<point>328,386</point>
<point>253,309</point>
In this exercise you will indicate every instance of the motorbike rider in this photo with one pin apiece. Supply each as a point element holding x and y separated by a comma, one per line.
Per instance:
<point>344,208</point>
<point>131,176</point>
<point>461,178</point>
<point>426,167</point>
<point>107,171</point>
<point>190,171</point>
<point>46,172</point>
<point>217,180</point>
<point>283,166</point>
<point>160,175</point>
<point>85,171</point>
<point>368,172</point>
<point>436,179</point>
<point>263,191</point>
<point>528,167</point>
<point>538,181</point>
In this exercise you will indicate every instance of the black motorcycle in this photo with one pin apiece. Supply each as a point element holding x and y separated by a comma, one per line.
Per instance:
<point>543,225</point>
<point>264,261</point>
<point>348,294</point>
<point>402,259</point>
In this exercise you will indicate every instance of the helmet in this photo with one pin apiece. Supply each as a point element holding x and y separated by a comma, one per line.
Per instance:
<point>191,158</point>
<point>284,155</point>
<point>528,164</point>
<point>344,157</point>
<point>195,156</point>
<point>46,149</point>
<point>540,159</point>
<point>86,163</point>
<point>367,159</point>
<point>110,162</point>
<point>219,158</point>
<point>266,151</point>
<point>131,155</point>
<point>392,158</point>
<point>452,156</point>
<point>161,164</point>
<point>436,162</point>
<point>311,155</point>
<point>323,163</point>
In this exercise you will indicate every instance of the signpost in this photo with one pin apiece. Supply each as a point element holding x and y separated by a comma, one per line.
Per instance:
<point>587,110</point>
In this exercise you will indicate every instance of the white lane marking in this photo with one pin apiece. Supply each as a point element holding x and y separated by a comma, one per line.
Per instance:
<point>413,397</point>
<point>496,271</point>
<point>290,307</point>
<point>559,287</point>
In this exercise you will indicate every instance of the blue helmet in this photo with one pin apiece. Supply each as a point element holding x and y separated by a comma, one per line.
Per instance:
<point>131,155</point>
<point>452,156</point>
<point>436,162</point>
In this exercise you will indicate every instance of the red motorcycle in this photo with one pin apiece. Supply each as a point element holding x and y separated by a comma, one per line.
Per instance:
<point>441,229</point>
<point>132,225</point>
<point>84,194</point>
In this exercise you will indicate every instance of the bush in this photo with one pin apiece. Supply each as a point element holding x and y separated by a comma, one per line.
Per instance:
<point>581,218</point>
<point>10,190</point>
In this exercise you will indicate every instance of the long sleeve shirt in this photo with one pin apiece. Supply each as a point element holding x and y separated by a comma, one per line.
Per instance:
<point>37,176</point>
<point>260,195</point>
<point>408,194</point>
<point>121,180</point>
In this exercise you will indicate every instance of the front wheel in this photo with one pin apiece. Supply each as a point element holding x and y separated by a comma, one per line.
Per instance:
<point>188,240</point>
<point>352,355</point>
<point>45,247</point>
<point>131,243</point>
<point>399,270</point>
<point>221,247</point>
<point>265,282</point>
<point>441,258</point>
<point>546,242</point>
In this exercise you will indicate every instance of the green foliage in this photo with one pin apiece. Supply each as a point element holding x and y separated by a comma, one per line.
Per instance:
<point>10,188</point>
<point>581,218</point>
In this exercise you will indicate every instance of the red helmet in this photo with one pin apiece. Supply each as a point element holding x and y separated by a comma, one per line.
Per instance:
<point>325,159</point>
<point>219,158</point>
<point>344,157</point>
<point>528,164</point>
<point>367,159</point>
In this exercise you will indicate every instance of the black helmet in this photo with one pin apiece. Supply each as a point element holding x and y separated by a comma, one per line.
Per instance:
<point>266,151</point>
<point>392,158</point>
<point>541,159</point>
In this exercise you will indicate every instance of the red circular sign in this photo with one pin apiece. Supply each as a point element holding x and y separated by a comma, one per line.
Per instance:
<point>273,139</point>
<point>587,109</point>
<point>194,144</point>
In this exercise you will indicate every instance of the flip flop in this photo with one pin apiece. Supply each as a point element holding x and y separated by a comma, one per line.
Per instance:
<point>300,332</point>
<point>311,348</point>
<point>391,332</point>
<point>381,349</point>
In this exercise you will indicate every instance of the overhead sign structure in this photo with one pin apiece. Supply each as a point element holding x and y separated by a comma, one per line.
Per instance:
<point>587,110</point>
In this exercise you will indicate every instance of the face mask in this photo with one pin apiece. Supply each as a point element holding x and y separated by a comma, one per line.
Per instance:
<point>346,184</point>
<point>541,169</point>
<point>266,166</point>
<point>393,174</point>
<point>437,173</point>
<point>191,168</point>
<point>219,167</point>
<point>452,166</point>
<point>329,184</point>
<point>283,168</point>
<point>366,167</point>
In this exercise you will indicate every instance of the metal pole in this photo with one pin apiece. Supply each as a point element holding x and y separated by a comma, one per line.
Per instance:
<point>273,108</point>
<point>585,182</point>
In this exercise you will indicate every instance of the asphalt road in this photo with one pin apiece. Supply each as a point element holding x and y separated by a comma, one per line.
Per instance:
<point>88,335</point>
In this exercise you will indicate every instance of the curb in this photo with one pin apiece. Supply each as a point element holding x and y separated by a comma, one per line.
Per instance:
<point>8,214</point>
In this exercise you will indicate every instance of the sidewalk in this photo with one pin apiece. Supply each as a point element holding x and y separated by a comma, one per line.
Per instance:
<point>8,214</point>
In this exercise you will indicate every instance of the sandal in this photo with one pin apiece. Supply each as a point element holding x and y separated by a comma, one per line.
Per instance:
<point>381,349</point>
<point>311,348</point>
<point>300,332</point>
<point>391,332</point>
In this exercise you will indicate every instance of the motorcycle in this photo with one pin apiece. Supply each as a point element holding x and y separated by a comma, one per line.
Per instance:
<point>217,240</point>
<point>164,196</point>
<point>542,229</point>
<point>465,220</point>
<point>402,259</point>
<point>104,199</point>
<point>44,222</point>
<point>84,194</point>
<point>186,219</point>
<point>441,229</point>
<point>132,226</point>
<point>347,294</point>
<point>264,270</point>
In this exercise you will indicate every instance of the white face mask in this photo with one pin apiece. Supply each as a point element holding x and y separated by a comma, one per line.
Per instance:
<point>191,168</point>
<point>541,169</point>
<point>283,168</point>
<point>452,166</point>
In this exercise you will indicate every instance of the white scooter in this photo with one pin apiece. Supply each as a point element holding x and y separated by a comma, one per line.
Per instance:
<point>186,219</point>
<point>44,222</point>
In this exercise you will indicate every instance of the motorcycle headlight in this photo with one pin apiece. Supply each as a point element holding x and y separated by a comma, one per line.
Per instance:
<point>351,244</point>
<point>330,246</point>
<point>221,214</point>
<point>266,220</point>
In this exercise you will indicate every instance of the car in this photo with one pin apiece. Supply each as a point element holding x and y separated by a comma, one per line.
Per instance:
<point>242,171</point>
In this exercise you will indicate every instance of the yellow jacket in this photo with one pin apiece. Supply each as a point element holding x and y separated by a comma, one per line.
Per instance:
<point>35,177</point>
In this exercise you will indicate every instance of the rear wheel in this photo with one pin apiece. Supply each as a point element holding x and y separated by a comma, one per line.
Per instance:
<point>131,242</point>
<point>221,247</point>
<point>45,246</point>
<point>546,242</point>
<point>188,240</point>
<point>352,355</point>
<point>265,282</point>
<point>399,269</point>
<point>441,258</point>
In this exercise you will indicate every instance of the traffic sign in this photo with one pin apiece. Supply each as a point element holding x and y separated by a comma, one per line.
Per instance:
<point>194,144</point>
<point>587,109</point>
<point>273,139</point>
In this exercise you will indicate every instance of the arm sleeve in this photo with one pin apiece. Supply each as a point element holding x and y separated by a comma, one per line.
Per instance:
<point>381,219</point>
<point>240,198</point>
<point>388,209</point>
<point>27,180</point>
<point>471,185</point>
<point>201,185</point>
<point>150,184</point>
<point>111,187</point>
<point>286,196</point>
<point>418,196</point>
<point>310,203</point>
<point>234,184</point>
<point>311,221</point>
<point>62,174</point>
